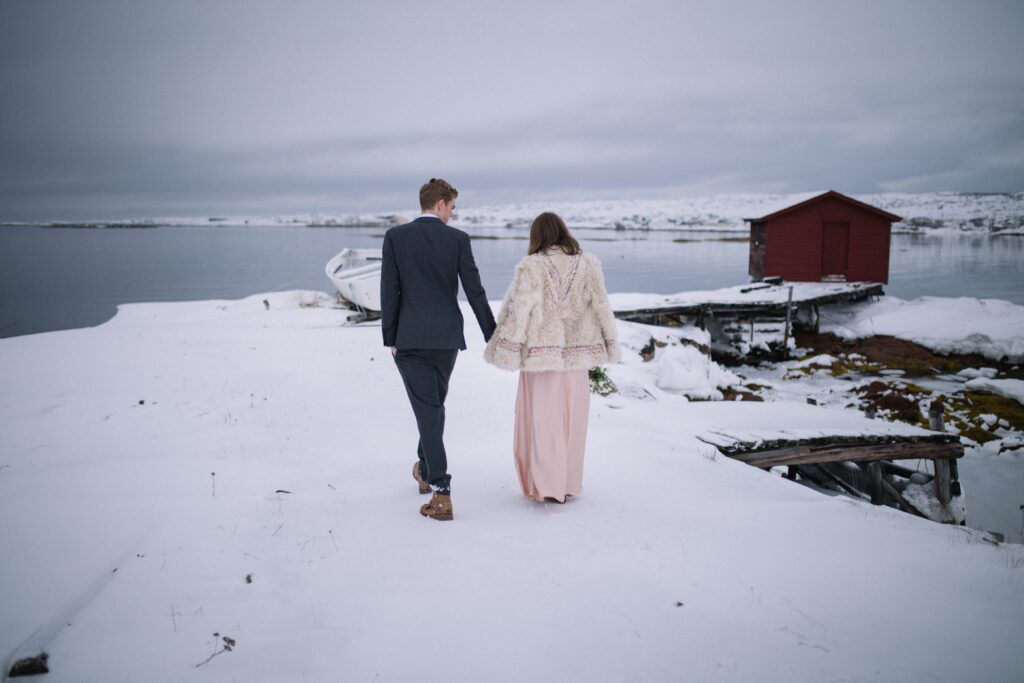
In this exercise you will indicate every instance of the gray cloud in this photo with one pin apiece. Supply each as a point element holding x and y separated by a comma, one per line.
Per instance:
<point>139,108</point>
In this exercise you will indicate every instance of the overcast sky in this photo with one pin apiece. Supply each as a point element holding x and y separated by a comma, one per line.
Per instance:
<point>140,108</point>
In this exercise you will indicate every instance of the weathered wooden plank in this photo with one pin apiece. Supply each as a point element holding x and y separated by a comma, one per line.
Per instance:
<point>855,477</point>
<point>740,444</point>
<point>818,473</point>
<point>905,472</point>
<point>802,454</point>
<point>826,468</point>
<point>904,504</point>
<point>819,476</point>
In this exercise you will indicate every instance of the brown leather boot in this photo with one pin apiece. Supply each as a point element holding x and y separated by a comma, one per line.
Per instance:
<point>439,507</point>
<point>424,486</point>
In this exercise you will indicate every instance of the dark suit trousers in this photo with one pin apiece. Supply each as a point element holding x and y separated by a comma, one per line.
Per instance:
<point>426,373</point>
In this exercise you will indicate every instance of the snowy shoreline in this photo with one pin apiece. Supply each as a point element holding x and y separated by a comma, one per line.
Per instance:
<point>972,212</point>
<point>157,460</point>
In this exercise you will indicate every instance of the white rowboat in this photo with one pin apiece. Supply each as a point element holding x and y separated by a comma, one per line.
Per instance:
<point>355,273</point>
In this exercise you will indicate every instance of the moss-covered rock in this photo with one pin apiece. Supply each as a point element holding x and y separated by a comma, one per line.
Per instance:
<point>968,408</point>
<point>893,400</point>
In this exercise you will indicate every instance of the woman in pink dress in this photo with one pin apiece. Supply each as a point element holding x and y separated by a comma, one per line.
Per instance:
<point>555,324</point>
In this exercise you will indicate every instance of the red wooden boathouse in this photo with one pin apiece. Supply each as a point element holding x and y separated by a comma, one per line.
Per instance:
<point>829,237</point>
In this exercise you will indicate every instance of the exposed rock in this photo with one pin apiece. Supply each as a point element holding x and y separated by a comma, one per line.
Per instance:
<point>31,666</point>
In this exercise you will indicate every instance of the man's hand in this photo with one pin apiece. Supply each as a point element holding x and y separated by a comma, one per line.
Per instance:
<point>394,350</point>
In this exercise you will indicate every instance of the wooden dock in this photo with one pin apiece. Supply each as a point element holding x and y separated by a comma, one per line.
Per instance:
<point>761,298</point>
<point>745,318</point>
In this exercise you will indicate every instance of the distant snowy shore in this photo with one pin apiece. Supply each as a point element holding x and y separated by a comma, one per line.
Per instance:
<point>962,211</point>
<point>195,471</point>
<point>957,211</point>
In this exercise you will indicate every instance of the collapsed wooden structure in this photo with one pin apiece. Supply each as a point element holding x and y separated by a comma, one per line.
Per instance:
<point>862,465</point>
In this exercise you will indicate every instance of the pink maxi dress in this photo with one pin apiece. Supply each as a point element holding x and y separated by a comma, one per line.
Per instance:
<point>553,406</point>
<point>551,432</point>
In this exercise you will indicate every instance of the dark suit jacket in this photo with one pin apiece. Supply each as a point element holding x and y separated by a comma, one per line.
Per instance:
<point>419,286</point>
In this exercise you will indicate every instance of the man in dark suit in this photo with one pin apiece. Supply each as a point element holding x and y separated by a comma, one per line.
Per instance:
<point>423,262</point>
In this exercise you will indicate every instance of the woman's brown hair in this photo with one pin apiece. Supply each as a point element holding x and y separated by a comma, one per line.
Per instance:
<point>548,230</point>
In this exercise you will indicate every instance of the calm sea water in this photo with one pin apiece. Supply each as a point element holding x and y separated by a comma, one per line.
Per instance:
<point>52,279</point>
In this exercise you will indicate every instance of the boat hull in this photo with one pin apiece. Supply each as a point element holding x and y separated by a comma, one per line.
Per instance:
<point>355,273</point>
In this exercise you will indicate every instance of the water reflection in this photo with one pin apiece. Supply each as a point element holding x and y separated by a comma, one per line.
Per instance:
<point>957,265</point>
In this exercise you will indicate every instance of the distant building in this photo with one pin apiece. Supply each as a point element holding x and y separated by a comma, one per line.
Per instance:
<point>829,237</point>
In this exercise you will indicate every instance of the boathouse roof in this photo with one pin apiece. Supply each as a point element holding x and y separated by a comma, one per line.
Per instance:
<point>775,211</point>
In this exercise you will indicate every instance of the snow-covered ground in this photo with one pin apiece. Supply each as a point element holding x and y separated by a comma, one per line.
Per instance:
<point>1010,388</point>
<point>936,210</point>
<point>155,465</point>
<point>990,327</point>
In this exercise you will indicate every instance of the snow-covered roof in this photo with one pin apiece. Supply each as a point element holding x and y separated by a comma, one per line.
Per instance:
<point>775,209</point>
<point>776,204</point>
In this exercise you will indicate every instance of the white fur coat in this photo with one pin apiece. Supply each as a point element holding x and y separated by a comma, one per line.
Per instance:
<point>555,316</point>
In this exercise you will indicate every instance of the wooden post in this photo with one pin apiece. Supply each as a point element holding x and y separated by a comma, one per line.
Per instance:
<point>943,472</point>
<point>789,318</point>
<point>875,482</point>
<point>942,480</point>
<point>935,416</point>
<point>751,330</point>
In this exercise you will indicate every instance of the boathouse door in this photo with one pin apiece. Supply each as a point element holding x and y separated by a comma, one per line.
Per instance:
<point>835,239</point>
